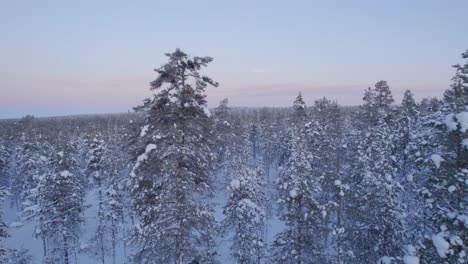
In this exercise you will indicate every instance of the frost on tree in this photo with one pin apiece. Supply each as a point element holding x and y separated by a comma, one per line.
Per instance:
<point>3,226</point>
<point>328,142</point>
<point>96,171</point>
<point>245,209</point>
<point>376,219</point>
<point>299,107</point>
<point>301,212</point>
<point>445,191</point>
<point>245,216</point>
<point>170,181</point>
<point>59,208</point>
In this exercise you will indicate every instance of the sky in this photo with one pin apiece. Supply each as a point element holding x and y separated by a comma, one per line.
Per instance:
<point>73,57</point>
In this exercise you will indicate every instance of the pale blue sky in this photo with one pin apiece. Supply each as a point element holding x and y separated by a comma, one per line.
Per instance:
<point>67,57</point>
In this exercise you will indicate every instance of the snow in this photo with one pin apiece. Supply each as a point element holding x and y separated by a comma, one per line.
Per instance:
<point>409,177</point>
<point>388,177</point>
<point>235,184</point>
<point>31,208</point>
<point>337,183</point>
<point>463,219</point>
<point>248,203</point>
<point>150,147</point>
<point>465,143</point>
<point>411,259</point>
<point>16,224</point>
<point>451,188</point>
<point>142,158</point>
<point>293,193</point>
<point>65,174</point>
<point>463,120</point>
<point>144,130</point>
<point>23,234</point>
<point>441,245</point>
<point>453,120</point>
<point>437,159</point>
<point>456,241</point>
<point>207,111</point>
<point>386,260</point>
<point>60,154</point>
<point>450,122</point>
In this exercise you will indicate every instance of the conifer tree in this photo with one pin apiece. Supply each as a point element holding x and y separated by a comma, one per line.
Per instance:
<point>4,154</point>
<point>226,138</point>
<point>3,228</point>
<point>375,211</point>
<point>28,161</point>
<point>245,209</point>
<point>445,191</point>
<point>326,139</point>
<point>300,211</point>
<point>383,96</point>
<point>299,107</point>
<point>59,198</point>
<point>170,181</point>
<point>96,170</point>
<point>409,104</point>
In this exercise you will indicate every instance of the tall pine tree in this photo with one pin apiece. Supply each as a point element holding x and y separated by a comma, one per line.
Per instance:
<point>170,181</point>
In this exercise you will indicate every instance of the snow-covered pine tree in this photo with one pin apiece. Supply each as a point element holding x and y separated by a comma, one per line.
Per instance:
<point>222,110</point>
<point>225,137</point>
<point>296,122</point>
<point>96,169</point>
<point>406,123</point>
<point>445,191</point>
<point>416,168</point>
<point>4,154</point>
<point>80,144</point>
<point>59,208</point>
<point>170,180</point>
<point>326,139</point>
<point>375,219</point>
<point>114,215</point>
<point>299,107</point>
<point>376,224</point>
<point>408,104</point>
<point>117,202</point>
<point>412,136</point>
<point>3,228</point>
<point>34,169</point>
<point>7,255</point>
<point>29,161</point>
<point>254,138</point>
<point>300,211</point>
<point>245,209</point>
<point>377,103</point>
<point>383,96</point>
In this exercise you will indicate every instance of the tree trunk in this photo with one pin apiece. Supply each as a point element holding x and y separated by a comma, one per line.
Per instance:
<point>113,241</point>
<point>123,236</point>
<point>44,245</point>
<point>100,216</point>
<point>299,238</point>
<point>102,250</point>
<point>338,238</point>
<point>65,249</point>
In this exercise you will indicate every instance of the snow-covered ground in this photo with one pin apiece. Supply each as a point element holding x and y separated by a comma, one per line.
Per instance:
<point>22,233</point>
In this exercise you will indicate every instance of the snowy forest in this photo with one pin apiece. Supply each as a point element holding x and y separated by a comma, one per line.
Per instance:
<point>175,182</point>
